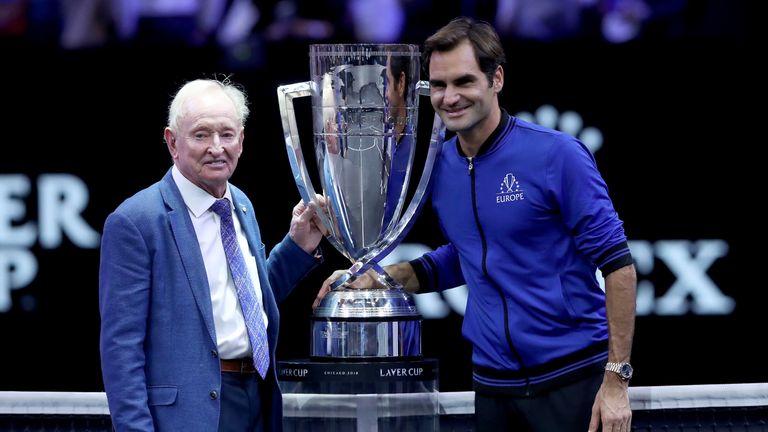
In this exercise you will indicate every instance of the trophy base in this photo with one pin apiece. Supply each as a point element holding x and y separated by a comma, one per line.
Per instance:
<point>366,339</point>
<point>364,359</point>
<point>360,396</point>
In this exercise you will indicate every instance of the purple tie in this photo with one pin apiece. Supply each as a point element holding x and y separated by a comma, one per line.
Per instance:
<point>257,333</point>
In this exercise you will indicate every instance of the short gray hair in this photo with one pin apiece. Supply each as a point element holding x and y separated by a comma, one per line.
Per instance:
<point>233,90</point>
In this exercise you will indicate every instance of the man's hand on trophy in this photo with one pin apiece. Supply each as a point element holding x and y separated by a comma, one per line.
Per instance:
<point>322,206</point>
<point>306,228</point>
<point>368,280</point>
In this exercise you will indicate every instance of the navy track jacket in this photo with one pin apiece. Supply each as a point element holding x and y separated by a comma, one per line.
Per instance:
<point>528,221</point>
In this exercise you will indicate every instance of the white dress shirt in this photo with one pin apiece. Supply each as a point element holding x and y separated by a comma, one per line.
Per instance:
<point>231,334</point>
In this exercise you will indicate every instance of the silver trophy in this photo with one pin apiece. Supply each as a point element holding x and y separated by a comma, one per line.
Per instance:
<point>365,100</point>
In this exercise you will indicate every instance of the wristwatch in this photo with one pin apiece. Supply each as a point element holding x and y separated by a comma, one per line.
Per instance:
<point>623,370</point>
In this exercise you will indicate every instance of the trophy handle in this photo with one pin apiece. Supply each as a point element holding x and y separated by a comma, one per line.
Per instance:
<point>285,96</point>
<point>395,236</point>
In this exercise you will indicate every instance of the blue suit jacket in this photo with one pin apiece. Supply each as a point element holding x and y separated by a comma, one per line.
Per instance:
<point>159,355</point>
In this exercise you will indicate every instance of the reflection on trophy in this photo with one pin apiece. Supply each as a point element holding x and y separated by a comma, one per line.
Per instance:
<point>365,101</point>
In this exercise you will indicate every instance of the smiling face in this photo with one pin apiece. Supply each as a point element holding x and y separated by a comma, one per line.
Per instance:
<point>461,94</point>
<point>208,141</point>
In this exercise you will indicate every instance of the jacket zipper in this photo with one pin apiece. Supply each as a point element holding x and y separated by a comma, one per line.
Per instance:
<point>471,173</point>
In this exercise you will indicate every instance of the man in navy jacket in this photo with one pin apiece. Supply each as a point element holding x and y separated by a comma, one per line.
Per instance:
<point>528,221</point>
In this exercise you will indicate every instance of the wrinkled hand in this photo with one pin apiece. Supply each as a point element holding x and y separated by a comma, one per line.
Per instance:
<point>365,281</point>
<point>612,407</point>
<point>306,228</point>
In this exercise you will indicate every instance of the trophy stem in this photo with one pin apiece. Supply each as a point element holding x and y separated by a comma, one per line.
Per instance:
<point>359,268</point>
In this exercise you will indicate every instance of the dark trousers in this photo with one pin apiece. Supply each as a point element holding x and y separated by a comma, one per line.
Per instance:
<point>241,408</point>
<point>563,409</point>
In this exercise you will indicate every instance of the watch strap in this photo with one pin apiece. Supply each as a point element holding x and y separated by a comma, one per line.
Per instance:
<point>623,370</point>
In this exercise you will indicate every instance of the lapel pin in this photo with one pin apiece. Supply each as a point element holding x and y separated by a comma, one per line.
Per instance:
<point>243,209</point>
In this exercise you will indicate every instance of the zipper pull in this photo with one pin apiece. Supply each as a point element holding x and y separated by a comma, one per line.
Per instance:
<point>471,165</point>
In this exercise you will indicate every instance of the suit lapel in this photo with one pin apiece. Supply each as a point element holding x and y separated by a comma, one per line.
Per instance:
<point>189,250</point>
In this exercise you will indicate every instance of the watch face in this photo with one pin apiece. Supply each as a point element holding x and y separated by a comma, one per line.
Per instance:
<point>626,371</point>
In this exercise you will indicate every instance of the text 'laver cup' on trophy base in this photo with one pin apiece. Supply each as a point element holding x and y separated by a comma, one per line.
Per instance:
<point>365,100</point>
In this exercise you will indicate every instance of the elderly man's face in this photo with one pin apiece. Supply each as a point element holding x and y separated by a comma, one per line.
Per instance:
<point>209,140</point>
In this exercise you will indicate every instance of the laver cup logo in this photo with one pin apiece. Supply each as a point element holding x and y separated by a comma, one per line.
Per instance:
<point>61,199</point>
<point>401,372</point>
<point>294,372</point>
<point>378,371</point>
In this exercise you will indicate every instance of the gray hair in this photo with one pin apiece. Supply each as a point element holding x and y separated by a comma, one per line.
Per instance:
<point>233,90</point>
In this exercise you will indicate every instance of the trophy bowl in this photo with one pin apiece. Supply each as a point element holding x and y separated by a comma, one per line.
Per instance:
<point>365,100</point>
